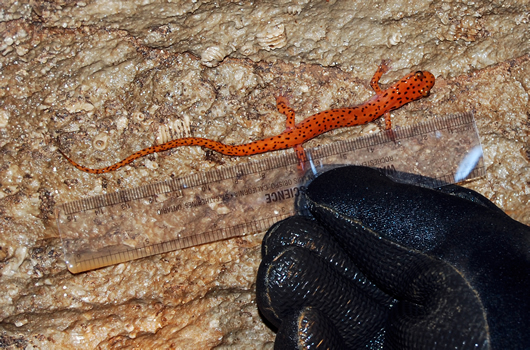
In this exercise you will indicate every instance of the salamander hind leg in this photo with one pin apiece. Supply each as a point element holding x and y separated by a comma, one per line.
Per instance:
<point>388,127</point>
<point>388,121</point>
<point>301,156</point>
<point>283,107</point>
<point>382,69</point>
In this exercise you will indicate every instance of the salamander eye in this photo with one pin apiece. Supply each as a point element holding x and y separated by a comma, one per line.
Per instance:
<point>425,93</point>
<point>419,74</point>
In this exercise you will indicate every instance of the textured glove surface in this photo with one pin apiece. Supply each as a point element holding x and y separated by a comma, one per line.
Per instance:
<point>384,265</point>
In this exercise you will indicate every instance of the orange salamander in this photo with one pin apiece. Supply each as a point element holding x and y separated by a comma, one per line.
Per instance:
<point>411,87</point>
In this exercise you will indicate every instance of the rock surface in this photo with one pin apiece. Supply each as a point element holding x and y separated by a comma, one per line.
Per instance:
<point>108,78</point>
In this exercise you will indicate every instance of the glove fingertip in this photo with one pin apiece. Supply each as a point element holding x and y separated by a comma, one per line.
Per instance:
<point>309,329</point>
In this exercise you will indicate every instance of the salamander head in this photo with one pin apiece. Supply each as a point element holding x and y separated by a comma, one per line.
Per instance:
<point>419,84</point>
<point>410,88</point>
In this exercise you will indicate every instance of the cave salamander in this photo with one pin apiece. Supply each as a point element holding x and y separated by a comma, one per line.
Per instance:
<point>410,88</point>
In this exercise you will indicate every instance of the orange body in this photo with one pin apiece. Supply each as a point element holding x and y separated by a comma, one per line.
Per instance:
<point>411,87</point>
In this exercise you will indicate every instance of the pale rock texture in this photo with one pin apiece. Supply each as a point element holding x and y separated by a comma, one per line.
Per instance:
<point>107,78</point>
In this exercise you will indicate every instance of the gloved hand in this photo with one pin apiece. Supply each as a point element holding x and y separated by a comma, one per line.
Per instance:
<point>383,265</point>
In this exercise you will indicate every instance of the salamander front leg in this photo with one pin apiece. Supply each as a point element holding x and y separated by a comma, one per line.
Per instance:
<point>382,69</point>
<point>283,107</point>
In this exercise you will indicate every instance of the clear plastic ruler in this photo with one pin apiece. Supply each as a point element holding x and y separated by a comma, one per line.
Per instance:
<point>248,198</point>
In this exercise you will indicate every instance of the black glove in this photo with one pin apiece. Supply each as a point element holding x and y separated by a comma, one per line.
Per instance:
<point>383,265</point>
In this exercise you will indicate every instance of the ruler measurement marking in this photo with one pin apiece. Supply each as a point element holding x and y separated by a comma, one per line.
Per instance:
<point>211,176</point>
<point>114,198</point>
